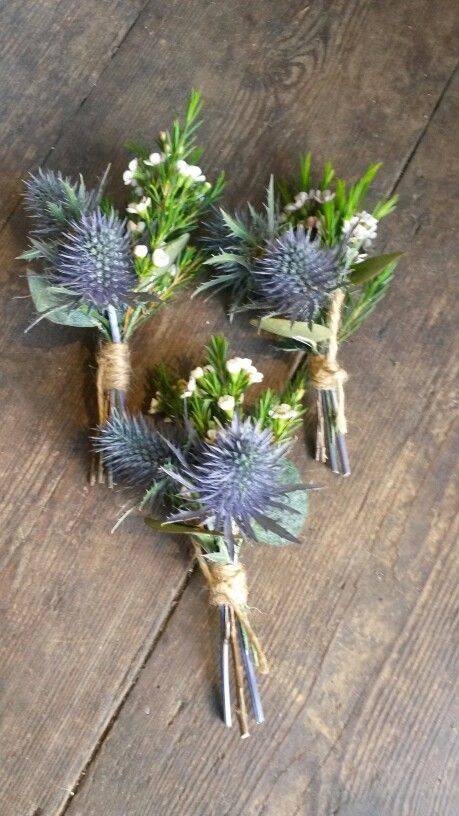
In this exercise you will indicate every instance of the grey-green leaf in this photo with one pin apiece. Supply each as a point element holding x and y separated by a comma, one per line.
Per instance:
<point>371,267</point>
<point>295,330</point>
<point>293,519</point>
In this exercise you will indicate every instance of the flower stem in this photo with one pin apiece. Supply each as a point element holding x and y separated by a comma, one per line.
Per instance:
<point>224,665</point>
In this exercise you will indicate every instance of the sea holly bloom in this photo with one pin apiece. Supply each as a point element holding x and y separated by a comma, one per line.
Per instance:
<point>94,260</point>
<point>296,275</point>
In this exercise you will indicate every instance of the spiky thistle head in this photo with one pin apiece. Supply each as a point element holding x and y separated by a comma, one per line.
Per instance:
<point>54,200</point>
<point>236,480</point>
<point>95,261</point>
<point>133,450</point>
<point>295,275</point>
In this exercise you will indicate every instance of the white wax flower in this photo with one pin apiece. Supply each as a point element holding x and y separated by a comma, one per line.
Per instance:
<point>153,159</point>
<point>140,251</point>
<point>160,258</point>
<point>153,409</point>
<point>128,177</point>
<point>227,403</point>
<point>133,165</point>
<point>254,375</point>
<point>298,202</point>
<point>283,411</point>
<point>197,373</point>
<point>136,226</point>
<point>212,434</point>
<point>139,206</point>
<point>363,228</point>
<point>190,170</point>
<point>233,366</point>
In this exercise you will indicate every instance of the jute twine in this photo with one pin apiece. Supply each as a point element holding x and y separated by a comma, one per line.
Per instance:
<point>228,585</point>
<point>113,374</point>
<point>325,372</point>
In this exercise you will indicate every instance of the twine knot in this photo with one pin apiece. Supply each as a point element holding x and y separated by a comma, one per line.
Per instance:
<point>325,372</point>
<point>113,373</point>
<point>228,586</point>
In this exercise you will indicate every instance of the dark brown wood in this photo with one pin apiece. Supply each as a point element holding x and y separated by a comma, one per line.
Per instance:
<point>84,610</point>
<point>52,55</point>
<point>360,621</point>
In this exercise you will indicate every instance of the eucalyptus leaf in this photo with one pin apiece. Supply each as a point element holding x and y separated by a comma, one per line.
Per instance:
<point>295,330</point>
<point>293,519</point>
<point>73,317</point>
<point>177,529</point>
<point>368,269</point>
<point>44,295</point>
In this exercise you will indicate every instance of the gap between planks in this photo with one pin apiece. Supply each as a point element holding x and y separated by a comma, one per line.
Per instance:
<point>186,580</point>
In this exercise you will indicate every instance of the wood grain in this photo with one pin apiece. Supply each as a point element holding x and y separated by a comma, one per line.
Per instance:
<point>361,624</point>
<point>52,55</point>
<point>83,610</point>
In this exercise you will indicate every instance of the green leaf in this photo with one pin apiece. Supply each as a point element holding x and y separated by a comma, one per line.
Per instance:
<point>295,330</point>
<point>174,248</point>
<point>368,269</point>
<point>227,257</point>
<point>74,317</point>
<point>44,295</point>
<point>292,519</point>
<point>237,228</point>
<point>177,529</point>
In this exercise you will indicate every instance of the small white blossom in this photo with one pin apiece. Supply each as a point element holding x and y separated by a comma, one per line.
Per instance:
<point>197,373</point>
<point>153,409</point>
<point>212,434</point>
<point>153,159</point>
<point>234,366</point>
<point>173,270</point>
<point>283,411</point>
<point>298,202</point>
<point>227,403</point>
<point>136,226</point>
<point>210,522</point>
<point>254,375</point>
<point>190,170</point>
<point>140,251</point>
<point>362,229</point>
<point>139,207</point>
<point>209,368</point>
<point>133,165</point>
<point>160,258</point>
<point>128,178</point>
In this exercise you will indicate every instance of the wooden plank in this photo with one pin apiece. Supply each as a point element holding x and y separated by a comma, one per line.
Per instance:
<point>52,55</point>
<point>360,621</point>
<point>101,600</point>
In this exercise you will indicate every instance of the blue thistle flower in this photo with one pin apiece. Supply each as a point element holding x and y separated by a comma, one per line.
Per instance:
<point>295,275</point>
<point>54,200</point>
<point>94,260</point>
<point>236,481</point>
<point>134,450</point>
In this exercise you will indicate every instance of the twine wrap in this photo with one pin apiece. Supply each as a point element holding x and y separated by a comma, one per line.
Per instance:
<point>325,372</point>
<point>113,374</point>
<point>228,586</point>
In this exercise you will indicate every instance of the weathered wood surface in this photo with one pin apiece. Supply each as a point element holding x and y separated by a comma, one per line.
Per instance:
<point>360,695</point>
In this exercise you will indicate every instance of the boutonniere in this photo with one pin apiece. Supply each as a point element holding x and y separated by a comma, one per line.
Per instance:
<point>112,271</point>
<point>218,472</point>
<point>304,264</point>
